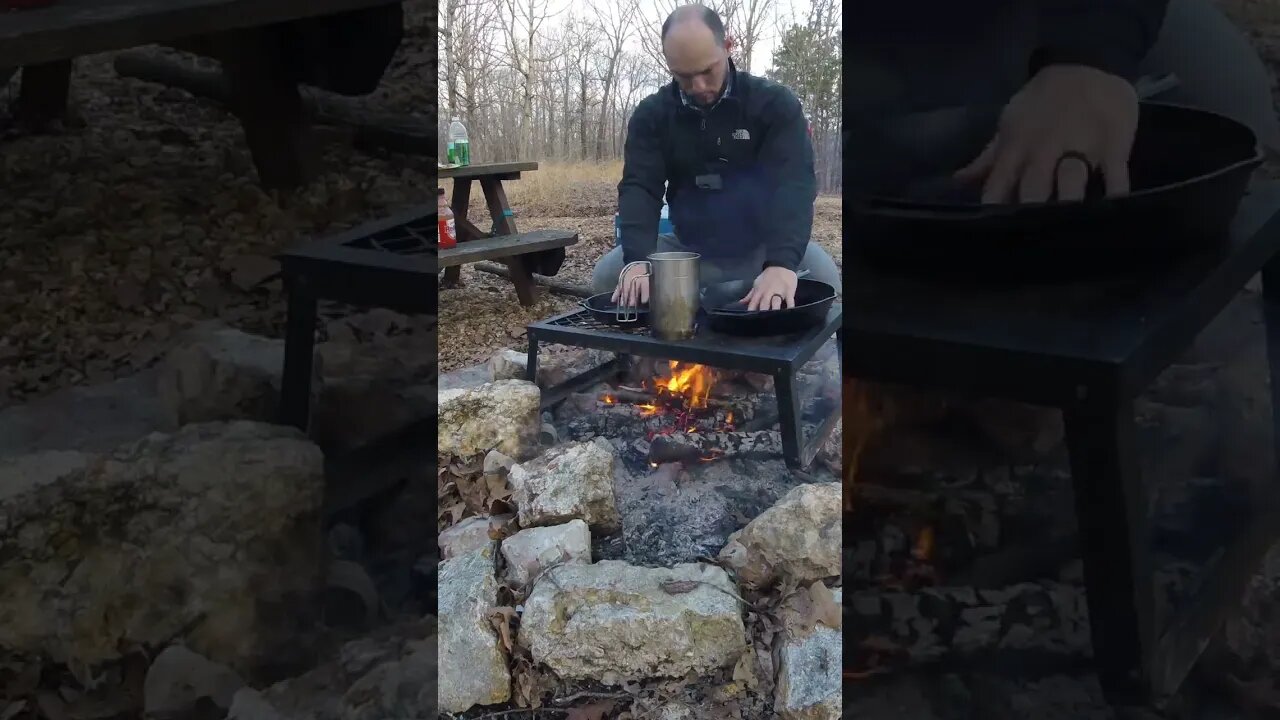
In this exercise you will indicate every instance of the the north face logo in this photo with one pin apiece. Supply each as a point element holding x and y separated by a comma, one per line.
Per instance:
<point>741,134</point>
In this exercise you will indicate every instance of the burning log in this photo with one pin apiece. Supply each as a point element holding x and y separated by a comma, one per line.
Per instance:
<point>693,447</point>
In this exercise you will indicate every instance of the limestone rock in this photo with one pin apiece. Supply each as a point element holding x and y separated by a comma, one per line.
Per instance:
<point>531,551</point>
<point>809,683</point>
<point>467,536</point>
<point>249,704</point>
<point>501,415</point>
<point>495,461</point>
<point>613,621</point>
<point>220,373</point>
<point>403,688</point>
<point>509,365</point>
<point>574,480</point>
<point>179,678</point>
<point>388,674</point>
<point>355,412</point>
<point>215,527</point>
<point>476,671</point>
<point>379,371</point>
<point>799,537</point>
<point>365,385</point>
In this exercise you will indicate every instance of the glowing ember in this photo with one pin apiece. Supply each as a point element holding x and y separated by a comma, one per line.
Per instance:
<point>924,544</point>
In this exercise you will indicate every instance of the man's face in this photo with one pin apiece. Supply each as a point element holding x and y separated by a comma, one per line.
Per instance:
<point>696,61</point>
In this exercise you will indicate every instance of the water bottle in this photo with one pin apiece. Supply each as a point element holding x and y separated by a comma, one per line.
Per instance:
<point>459,148</point>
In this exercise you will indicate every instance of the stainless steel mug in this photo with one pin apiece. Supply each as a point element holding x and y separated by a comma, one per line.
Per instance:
<point>673,293</point>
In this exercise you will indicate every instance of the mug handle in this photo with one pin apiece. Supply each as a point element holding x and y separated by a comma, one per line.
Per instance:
<point>631,313</point>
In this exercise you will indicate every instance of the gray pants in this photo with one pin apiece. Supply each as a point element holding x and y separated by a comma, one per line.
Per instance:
<point>816,260</point>
<point>1218,68</point>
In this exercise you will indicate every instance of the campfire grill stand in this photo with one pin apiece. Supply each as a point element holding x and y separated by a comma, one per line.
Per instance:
<point>779,357</point>
<point>1090,351</point>
<point>389,263</point>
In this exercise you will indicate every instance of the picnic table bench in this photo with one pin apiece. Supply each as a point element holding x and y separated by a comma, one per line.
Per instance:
<point>519,251</point>
<point>44,41</point>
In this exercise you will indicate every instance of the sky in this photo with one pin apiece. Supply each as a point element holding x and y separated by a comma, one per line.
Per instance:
<point>762,56</point>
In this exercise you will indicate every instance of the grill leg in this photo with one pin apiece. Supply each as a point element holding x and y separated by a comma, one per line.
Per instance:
<point>531,367</point>
<point>1115,540</point>
<point>1271,314</point>
<point>299,343</point>
<point>789,417</point>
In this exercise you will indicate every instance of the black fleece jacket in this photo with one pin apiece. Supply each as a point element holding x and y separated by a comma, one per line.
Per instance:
<point>914,55</point>
<point>753,143</point>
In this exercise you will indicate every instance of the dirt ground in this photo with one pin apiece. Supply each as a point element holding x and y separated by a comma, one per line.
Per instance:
<point>577,197</point>
<point>142,215</point>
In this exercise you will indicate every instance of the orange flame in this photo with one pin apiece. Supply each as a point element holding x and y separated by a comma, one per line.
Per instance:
<point>693,382</point>
<point>608,400</point>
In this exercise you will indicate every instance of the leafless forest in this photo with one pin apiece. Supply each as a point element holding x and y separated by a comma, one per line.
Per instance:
<point>537,79</point>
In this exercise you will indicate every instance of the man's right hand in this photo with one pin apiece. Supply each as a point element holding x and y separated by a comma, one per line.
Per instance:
<point>632,290</point>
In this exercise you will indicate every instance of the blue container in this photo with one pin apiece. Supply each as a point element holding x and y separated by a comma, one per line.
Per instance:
<point>664,225</point>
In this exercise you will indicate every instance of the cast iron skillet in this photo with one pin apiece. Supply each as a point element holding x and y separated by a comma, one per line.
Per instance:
<point>604,309</point>
<point>728,316</point>
<point>1189,169</point>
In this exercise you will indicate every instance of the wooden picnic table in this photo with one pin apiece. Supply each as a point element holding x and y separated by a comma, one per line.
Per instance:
<point>70,28</point>
<point>44,41</point>
<point>505,243</point>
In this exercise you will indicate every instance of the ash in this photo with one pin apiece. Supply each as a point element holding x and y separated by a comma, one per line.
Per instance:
<point>674,514</point>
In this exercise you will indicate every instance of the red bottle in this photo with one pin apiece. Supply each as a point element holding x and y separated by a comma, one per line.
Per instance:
<point>448,234</point>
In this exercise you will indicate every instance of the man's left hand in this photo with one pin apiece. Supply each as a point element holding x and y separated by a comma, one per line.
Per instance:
<point>774,289</point>
<point>1065,122</point>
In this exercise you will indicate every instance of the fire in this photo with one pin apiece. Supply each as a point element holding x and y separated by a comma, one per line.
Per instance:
<point>692,382</point>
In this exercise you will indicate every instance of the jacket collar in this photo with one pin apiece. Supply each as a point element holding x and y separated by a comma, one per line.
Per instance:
<point>730,77</point>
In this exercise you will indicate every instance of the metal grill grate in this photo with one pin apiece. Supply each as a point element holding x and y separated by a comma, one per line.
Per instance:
<point>583,320</point>
<point>415,237</point>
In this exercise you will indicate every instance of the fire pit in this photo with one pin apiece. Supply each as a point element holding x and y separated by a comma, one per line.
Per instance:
<point>389,263</point>
<point>1090,349</point>
<point>700,427</point>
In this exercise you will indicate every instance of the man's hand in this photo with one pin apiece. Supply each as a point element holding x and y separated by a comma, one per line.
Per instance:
<point>631,291</point>
<point>1063,113</point>
<point>774,289</point>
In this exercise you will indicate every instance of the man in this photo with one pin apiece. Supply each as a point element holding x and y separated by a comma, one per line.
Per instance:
<point>1054,77</point>
<point>735,153</point>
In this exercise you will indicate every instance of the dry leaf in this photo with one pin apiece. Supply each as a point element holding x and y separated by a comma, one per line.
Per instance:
<point>594,711</point>
<point>823,606</point>
<point>679,587</point>
<point>745,671</point>
<point>500,618</point>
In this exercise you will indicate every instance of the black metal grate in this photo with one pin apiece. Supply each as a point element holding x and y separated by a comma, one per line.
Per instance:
<point>583,320</point>
<point>416,237</point>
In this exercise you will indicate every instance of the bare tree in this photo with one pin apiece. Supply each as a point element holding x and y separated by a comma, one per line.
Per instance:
<point>616,23</point>
<point>751,28</point>
<point>465,29</point>
<point>521,21</point>
<point>531,82</point>
<point>651,31</point>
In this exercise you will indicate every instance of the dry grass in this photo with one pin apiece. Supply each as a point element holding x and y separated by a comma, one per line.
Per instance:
<point>483,317</point>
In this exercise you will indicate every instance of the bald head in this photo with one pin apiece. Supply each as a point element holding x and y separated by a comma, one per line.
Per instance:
<point>693,42</point>
<point>696,15</point>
